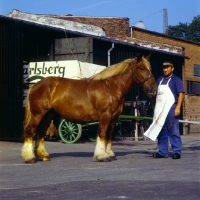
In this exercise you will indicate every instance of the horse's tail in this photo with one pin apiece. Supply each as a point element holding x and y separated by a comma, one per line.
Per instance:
<point>27,117</point>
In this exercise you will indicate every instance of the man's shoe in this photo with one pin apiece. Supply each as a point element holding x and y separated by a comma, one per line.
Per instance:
<point>157,155</point>
<point>176,156</point>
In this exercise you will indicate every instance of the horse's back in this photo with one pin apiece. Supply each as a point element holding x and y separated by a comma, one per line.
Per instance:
<point>52,84</point>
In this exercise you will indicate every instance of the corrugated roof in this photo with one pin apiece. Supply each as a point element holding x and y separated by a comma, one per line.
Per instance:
<point>57,23</point>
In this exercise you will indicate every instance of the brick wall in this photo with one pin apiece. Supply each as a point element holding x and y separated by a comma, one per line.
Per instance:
<point>114,27</point>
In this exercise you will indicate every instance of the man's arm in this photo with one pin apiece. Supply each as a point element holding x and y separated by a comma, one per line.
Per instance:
<point>179,103</point>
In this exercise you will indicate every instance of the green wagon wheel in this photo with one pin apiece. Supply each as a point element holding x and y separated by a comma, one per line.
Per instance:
<point>69,132</point>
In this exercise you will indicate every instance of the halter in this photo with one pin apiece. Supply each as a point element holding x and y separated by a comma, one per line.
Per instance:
<point>143,81</point>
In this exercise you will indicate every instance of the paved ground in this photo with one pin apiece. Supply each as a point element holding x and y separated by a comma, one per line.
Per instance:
<point>72,174</point>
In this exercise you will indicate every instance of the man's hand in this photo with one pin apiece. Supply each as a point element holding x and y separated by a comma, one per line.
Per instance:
<point>177,110</point>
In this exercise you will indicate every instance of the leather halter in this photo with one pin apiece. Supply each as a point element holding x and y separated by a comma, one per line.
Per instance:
<point>143,81</point>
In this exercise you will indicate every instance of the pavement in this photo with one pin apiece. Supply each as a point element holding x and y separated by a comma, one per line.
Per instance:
<point>72,174</point>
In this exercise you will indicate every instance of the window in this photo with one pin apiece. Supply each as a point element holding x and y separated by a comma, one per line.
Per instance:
<point>193,87</point>
<point>196,70</point>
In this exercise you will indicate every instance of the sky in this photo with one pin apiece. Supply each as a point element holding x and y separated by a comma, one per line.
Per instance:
<point>148,11</point>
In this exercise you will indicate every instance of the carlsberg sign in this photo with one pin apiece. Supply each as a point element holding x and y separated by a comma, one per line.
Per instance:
<point>35,71</point>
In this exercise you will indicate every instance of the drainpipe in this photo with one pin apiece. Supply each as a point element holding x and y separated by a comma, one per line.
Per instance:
<point>131,31</point>
<point>109,53</point>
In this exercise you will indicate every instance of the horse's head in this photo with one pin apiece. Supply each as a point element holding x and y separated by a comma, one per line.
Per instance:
<point>143,76</point>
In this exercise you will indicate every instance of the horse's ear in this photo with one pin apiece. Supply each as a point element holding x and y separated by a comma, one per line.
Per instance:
<point>139,57</point>
<point>148,57</point>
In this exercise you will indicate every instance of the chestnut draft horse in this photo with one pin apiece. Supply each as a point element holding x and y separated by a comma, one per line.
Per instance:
<point>97,98</point>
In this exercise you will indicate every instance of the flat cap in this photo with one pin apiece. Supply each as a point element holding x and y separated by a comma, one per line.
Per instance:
<point>165,64</point>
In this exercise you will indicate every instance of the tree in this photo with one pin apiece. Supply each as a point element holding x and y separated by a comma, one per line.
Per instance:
<point>186,31</point>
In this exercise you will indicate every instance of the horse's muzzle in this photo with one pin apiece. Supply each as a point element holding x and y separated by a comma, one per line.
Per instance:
<point>151,91</point>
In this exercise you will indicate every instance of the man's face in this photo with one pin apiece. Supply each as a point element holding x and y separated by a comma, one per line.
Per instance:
<point>167,71</point>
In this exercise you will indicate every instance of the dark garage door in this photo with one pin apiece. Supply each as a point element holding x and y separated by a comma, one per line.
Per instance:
<point>11,63</point>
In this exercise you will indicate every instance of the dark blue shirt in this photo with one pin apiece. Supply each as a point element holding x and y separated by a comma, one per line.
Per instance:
<point>175,85</point>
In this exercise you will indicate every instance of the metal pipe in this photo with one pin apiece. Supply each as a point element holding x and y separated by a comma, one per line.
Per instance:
<point>189,122</point>
<point>109,53</point>
<point>136,125</point>
<point>151,118</point>
<point>135,117</point>
<point>131,31</point>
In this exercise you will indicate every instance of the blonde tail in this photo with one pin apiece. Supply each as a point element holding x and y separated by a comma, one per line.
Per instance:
<point>27,112</point>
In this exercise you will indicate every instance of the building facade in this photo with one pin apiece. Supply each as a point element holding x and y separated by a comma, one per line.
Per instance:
<point>23,41</point>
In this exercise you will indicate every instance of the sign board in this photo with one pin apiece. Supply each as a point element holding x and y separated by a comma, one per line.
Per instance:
<point>36,71</point>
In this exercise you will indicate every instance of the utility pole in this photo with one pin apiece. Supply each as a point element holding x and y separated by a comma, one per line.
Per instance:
<point>165,20</point>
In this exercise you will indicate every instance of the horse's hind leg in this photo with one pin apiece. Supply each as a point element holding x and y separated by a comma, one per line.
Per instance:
<point>40,150</point>
<point>27,152</point>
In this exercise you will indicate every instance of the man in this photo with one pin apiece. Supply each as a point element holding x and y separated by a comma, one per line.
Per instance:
<point>170,96</point>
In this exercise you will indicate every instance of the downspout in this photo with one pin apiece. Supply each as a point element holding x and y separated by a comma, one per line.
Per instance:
<point>131,31</point>
<point>109,53</point>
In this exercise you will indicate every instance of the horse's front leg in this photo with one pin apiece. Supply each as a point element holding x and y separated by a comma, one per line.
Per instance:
<point>109,140</point>
<point>100,153</point>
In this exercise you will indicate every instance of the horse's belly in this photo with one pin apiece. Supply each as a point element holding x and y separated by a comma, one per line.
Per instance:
<point>78,113</point>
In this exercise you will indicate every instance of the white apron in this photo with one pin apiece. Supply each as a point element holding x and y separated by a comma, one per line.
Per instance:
<point>164,101</point>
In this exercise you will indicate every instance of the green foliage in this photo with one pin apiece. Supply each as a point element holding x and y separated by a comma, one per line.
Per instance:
<point>186,31</point>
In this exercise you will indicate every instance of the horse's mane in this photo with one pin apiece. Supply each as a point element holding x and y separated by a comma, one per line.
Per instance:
<point>112,70</point>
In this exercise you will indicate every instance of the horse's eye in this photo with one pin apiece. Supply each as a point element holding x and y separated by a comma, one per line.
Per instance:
<point>141,68</point>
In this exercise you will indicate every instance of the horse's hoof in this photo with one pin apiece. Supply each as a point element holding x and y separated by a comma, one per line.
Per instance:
<point>96,159</point>
<point>113,158</point>
<point>44,159</point>
<point>107,160</point>
<point>104,160</point>
<point>30,161</point>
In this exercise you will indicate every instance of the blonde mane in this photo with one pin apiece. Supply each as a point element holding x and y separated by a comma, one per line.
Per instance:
<point>113,70</point>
